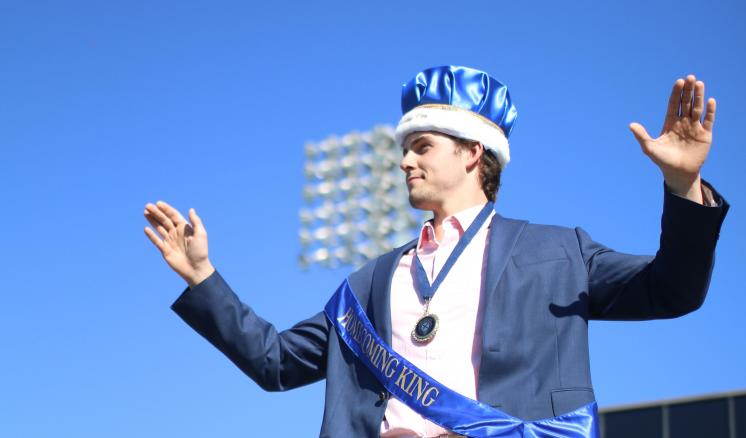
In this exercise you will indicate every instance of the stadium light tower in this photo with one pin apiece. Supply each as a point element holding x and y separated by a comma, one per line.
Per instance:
<point>356,204</point>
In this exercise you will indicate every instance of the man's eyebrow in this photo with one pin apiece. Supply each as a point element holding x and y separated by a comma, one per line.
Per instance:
<point>416,141</point>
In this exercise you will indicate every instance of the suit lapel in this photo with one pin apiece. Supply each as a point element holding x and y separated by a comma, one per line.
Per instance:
<point>504,234</point>
<point>379,305</point>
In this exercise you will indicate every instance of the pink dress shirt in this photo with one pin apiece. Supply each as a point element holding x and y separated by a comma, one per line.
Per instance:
<point>453,356</point>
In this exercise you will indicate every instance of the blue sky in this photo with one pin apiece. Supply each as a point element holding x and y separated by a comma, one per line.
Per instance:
<point>105,106</point>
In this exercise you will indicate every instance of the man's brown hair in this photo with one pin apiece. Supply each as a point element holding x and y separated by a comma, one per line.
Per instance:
<point>489,168</point>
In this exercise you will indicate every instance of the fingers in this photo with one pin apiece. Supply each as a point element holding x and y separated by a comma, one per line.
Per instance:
<point>641,134</point>
<point>159,217</point>
<point>171,212</point>
<point>154,238</point>
<point>699,101</point>
<point>687,100</point>
<point>710,115</point>
<point>674,102</point>
<point>198,225</point>
<point>165,218</point>
<point>686,96</point>
<point>151,219</point>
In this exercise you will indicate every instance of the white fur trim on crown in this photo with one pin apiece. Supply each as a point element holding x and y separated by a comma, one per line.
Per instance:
<point>457,122</point>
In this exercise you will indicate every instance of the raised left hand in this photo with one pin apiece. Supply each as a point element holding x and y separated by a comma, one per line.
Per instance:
<point>685,140</point>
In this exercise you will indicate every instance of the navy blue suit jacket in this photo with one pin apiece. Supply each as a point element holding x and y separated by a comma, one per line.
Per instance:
<point>543,283</point>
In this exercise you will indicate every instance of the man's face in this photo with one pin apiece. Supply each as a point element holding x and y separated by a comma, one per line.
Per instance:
<point>435,169</point>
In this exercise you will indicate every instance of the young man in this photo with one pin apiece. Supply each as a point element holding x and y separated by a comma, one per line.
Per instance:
<point>508,326</point>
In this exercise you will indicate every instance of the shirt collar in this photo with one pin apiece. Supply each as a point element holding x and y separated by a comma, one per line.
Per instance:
<point>454,227</point>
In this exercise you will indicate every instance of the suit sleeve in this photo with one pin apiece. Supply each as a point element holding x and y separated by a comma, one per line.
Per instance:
<point>670,284</point>
<point>275,361</point>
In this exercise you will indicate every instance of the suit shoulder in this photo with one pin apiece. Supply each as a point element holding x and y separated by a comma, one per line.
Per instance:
<point>543,229</point>
<point>548,229</point>
<point>362,278</point>
<point>365,271</point>
<point>543,234</point>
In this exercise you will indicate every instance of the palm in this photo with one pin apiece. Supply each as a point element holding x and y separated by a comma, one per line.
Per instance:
<point>183,245</point>
<point>685,140</point>
<point>682,145</point>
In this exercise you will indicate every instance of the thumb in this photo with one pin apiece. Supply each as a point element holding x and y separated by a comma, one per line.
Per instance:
<point>641,135</point>
<point>196,221</point>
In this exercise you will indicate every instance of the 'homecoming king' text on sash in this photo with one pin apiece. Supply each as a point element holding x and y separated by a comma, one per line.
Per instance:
<point>431,399</point>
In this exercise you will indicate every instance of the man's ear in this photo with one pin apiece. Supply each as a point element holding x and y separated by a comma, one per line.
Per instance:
<point>473,155</point>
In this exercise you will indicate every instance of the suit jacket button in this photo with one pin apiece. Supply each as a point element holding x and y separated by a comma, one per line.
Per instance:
<point>383,395</point>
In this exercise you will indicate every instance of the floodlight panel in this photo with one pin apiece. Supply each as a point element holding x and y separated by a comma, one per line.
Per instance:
<point>356,204</point>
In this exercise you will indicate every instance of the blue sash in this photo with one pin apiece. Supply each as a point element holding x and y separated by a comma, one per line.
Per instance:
<point>431,399</point>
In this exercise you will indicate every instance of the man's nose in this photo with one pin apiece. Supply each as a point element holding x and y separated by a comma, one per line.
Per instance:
<point>407,161</point>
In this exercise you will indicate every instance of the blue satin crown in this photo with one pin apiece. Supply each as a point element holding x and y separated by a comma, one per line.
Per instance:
<point>461,102</point>
<point>431,399</point>
<point>462,87</point>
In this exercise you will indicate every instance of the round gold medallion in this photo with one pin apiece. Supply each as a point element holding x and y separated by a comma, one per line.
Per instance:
<point>424,330</point>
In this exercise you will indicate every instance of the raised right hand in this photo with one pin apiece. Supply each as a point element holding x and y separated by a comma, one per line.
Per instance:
<point>183,245</point>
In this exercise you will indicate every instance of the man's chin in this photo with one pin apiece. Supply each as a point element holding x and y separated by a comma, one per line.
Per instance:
<point>420,202</point>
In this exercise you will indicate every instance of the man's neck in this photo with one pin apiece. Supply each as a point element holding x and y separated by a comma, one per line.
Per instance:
<point>440,214</point>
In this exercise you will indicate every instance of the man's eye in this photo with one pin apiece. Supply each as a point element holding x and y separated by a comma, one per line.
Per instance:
<point>416,148</point>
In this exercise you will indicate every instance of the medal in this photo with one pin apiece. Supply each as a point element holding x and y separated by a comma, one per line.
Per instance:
<point>426,327</point>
